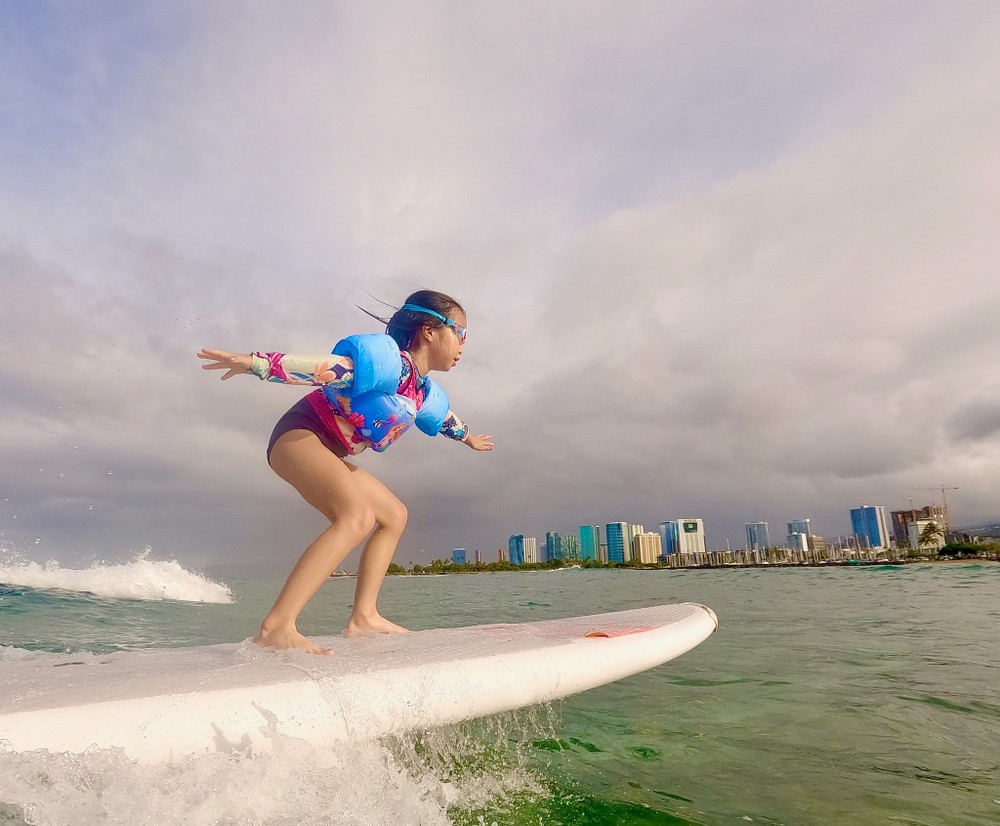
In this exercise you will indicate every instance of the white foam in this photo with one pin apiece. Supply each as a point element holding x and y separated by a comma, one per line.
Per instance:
<point>13,654</point>
<point>403,781</point>
<point>141,578</point>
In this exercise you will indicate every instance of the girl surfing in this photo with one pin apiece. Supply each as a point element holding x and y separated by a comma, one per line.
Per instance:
<point>370,390</point>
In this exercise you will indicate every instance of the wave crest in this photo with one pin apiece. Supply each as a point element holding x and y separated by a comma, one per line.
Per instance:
<point>141,578</point>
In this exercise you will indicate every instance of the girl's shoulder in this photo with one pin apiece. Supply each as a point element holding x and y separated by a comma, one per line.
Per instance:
<point>407,370</point>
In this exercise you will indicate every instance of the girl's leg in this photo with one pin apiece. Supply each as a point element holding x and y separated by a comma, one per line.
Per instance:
<point>390,519</point>
<point>327,483</point>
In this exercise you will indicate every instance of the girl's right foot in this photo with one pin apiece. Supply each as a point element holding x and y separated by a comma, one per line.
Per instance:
<point>284,638</point>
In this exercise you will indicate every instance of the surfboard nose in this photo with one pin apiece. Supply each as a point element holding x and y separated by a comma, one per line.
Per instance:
<point>711,613</point>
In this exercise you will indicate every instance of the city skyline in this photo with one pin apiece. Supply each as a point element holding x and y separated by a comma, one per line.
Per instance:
<point>800,532</point>
<point>807,524</point>
<point>620,535</point>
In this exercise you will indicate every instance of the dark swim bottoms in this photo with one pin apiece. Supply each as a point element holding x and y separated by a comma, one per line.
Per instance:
<point>302,416</point>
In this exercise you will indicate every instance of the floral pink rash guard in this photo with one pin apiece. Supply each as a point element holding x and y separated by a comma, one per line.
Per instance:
<point>337,373</point>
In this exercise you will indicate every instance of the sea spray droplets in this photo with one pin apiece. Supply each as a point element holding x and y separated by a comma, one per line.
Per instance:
<point>478,762</point>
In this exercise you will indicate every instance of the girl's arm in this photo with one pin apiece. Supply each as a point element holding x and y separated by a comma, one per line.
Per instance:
<point>330,371</point>
<point>288,368</point>
<point>455,428</point>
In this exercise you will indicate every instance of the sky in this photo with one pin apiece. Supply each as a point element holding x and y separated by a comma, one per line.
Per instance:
<point>727,260</point>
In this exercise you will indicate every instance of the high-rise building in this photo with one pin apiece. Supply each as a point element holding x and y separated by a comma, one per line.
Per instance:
<point>617,535</point>
<point>683,536</point>
<point>458,556</point>
<point>869,526</point>
<point>515,549</point>
<point>798,541</point>
<point>590,542</point>
<point>571,548</point>
<point>633,532</point>
<point>479,556</point>
<point>757,536</point>
<point>901,520</point>
<point>814,543</point>
<point>692,535</point>
<point>647,547</point>
<point>553,545</point>
<point>530,550</point>
<point>670,537</point>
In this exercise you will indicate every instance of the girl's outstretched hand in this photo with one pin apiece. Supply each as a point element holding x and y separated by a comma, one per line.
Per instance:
<point>233,363</point>
<point>480,442</point>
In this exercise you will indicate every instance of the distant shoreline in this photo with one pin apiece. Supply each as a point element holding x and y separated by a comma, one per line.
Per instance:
<point>852,563</point>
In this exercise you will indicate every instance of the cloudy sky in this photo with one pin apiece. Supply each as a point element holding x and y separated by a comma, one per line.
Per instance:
<point>721,259</point>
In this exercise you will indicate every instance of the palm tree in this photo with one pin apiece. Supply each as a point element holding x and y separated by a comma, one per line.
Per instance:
<point>930,535</point>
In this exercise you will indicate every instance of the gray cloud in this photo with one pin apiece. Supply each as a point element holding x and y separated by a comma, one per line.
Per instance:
<point>719,260</point>
<point>978,420</point>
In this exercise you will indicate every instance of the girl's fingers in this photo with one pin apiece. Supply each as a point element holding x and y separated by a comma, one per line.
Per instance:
<point>221,360</point>
<point>214,355</point>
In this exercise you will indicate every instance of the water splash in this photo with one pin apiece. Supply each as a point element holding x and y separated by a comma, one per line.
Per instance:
<point>141,578</point>
<point>424,778</point>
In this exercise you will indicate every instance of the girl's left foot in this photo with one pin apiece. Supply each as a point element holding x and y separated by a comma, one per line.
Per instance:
<point>365,626</point>
<point>287,637</point>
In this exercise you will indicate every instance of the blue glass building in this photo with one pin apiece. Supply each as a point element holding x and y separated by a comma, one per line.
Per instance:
<point>553,545</point>
<point>515,549</point>
<point>617,534</point>
<point>670,535</point>
<point>757,536</point>
<point>590,542</point>
<point>869,525</point>
<point>459,556</point>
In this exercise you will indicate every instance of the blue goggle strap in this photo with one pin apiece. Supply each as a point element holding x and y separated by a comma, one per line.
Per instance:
<point>414,308</point>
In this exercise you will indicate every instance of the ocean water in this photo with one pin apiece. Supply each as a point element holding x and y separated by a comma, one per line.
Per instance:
<point>828,696</point>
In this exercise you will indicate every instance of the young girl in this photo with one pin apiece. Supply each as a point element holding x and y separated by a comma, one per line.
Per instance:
<point>371,389</point>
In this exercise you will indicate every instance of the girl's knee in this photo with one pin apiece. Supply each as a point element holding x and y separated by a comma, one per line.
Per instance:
<point>359,519</point>
<point>394,517</point>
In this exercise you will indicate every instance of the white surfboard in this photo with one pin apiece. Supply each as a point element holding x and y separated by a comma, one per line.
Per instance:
<point>166,704</point>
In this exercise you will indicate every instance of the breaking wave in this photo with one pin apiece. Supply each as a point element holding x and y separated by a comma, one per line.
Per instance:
<point>141,578</point>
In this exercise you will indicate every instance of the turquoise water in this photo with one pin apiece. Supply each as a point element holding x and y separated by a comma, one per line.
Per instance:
<point>828,696</point>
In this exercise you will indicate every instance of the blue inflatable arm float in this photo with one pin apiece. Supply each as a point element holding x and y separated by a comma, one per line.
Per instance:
<point>434,410</point>
<point>376,362</point>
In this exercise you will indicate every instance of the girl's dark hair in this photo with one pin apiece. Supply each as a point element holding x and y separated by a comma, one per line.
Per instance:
<point>404,324</point>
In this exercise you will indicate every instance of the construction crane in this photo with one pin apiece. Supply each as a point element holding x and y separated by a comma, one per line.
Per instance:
<point>944,502</point>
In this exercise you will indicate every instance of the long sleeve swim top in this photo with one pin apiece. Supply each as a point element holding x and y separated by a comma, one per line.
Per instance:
<point>337,372</point>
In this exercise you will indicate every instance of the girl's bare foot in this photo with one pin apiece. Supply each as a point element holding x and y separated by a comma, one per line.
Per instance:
<point>361,626</point>
<point>286,637</point>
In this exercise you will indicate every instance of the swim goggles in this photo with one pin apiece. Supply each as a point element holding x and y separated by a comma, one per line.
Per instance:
<point>460,331</point>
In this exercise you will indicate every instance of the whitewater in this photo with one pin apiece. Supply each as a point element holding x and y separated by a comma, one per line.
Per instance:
<point>141,578</point>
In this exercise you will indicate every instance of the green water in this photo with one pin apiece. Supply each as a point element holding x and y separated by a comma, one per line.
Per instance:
<point>855,696</point>
<point>828,696</point>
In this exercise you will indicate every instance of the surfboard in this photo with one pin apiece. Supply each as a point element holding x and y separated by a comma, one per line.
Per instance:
<point>167,704</point>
